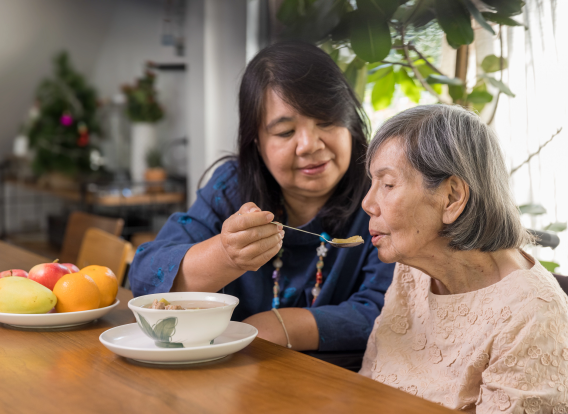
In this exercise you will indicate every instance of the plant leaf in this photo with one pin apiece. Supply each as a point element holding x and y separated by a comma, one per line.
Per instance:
<point>370,37</point>
<point>146,327</point>
<point>492,63</point>
<point>165,329</point>
<point>426,71</point>
<point>457,92</point>
<point>334,55</point>
<point>479,97</point>
<point>478,16</point>
<point>532,209</point>
<point>169,344</point>
<point>506,7</point>
<point>421,14</point>
<point>402,13</point>
<point>407,85</point>
<point>556,227</point>
<point>499,85</point>
<point>314,20</point>
<point>432,79</point>
<point>454,19</point>
<point>383,91</point>
<point>550,266</point>
<point>356,74</point>
<point>342,30</point>
<point>500,19</point>
<point>289,11</point>
<point>379,72</point>
<point>383,8</point>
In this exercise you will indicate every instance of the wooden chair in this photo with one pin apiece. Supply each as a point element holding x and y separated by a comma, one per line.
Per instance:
<point>104,249</point>
<point>77,225</point>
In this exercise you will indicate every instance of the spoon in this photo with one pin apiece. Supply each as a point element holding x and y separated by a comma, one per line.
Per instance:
<point>340,243</point>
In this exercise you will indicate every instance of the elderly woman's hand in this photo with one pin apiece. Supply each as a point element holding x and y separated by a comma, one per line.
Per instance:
<point>249,239</point>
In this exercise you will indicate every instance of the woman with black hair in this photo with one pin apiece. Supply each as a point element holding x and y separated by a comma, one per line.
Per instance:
<point>302,140</point>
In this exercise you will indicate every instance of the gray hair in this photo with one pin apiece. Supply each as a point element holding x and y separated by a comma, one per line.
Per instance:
<point>442,141</point>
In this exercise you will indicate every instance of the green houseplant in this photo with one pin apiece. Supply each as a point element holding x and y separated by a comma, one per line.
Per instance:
<point>61,132</point>
<point>155,174</point>
<point>144,111</point>
<point>376,42</point>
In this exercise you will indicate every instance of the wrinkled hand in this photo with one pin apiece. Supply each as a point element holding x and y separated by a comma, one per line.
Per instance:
<point>249,239</point>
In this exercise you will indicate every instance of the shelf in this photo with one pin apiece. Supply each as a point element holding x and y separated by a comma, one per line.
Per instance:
<point>107,200</point>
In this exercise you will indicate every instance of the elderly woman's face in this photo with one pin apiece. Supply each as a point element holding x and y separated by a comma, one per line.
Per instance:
<point>306,156</point>
<point>405,217</point>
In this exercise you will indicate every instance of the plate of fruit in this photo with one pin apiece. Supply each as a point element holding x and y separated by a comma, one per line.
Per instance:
<point>56,295</point>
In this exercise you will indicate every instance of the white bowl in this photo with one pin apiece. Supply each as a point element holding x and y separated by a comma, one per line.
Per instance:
<point>183,328</point>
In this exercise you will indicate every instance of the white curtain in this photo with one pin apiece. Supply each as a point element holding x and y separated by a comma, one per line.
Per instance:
<point>538,63</point>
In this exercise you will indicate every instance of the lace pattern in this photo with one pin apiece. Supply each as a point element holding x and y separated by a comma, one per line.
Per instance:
<point>501,349</point>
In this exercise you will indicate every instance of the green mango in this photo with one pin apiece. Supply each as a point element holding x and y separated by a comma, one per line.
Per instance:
<point>23,295</point>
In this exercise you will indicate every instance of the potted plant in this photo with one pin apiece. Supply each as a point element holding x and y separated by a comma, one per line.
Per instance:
<point>144,112</point>
<point>61,128</point>
<point>155,174</point>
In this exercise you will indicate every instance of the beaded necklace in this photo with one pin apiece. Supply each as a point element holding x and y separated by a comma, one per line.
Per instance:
<point>277,263</point>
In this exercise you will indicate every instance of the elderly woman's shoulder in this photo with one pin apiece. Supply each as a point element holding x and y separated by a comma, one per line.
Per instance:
<point>539,286</point>
<point>537,302</point>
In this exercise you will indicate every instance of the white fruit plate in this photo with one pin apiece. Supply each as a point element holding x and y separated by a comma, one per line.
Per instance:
<point>54,320</point>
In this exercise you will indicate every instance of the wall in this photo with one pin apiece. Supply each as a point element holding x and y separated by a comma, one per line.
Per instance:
<point>31,31</point>
<point>217,58</point>
<point>108,41</point>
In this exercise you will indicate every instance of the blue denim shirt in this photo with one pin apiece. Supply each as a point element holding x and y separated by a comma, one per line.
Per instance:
<point>354,279</point>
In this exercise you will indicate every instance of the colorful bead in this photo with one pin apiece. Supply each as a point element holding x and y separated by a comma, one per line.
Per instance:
<point>316,291</point>
<point>277,263</point>
<point>322,251</point>
<point>325,237</point>
<point>275,274</point>
<point>276,289</point>
<point>275,303</point>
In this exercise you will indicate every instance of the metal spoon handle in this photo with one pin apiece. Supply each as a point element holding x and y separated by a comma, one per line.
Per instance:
<point>294,228</point>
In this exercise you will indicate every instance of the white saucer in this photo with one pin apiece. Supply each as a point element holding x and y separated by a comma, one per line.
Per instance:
<point>129,341</point>
<point>54,320</point>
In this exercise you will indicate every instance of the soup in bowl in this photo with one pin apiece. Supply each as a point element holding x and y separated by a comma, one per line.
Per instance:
<point>183,319</point>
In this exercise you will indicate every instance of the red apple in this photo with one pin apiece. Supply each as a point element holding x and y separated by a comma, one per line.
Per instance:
<point>48,274</point>
<point>13,272</point>
<point>72,268</point>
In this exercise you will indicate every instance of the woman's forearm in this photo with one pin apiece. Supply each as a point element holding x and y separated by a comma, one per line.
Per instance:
<point>300,324</point>
<point>205,267</point>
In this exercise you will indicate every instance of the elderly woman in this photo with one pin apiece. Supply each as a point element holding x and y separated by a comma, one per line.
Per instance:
<point>470,321</point>
<point>301,136</point>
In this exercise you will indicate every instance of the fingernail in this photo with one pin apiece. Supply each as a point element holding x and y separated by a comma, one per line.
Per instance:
<point>281,228</point>
<point>270,216</point>
<point>281,236</point>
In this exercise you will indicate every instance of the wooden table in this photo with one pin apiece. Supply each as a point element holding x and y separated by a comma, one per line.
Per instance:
<point>70,371</point>
<point>12,257</point>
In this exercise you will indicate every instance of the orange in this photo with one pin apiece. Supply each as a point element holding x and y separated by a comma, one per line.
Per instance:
<point>105,280</point>
<point>76,292</point>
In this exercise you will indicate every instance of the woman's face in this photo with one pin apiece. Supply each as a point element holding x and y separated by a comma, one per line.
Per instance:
<point>405,217</point>
<point>306,156</point>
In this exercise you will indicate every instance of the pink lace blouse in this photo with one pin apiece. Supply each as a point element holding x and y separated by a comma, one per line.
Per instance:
<point>501,349</point>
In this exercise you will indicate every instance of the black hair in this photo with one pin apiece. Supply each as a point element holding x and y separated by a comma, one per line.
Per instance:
<point>307,79</point>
